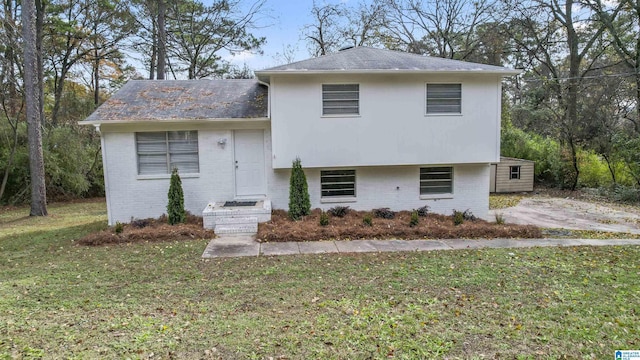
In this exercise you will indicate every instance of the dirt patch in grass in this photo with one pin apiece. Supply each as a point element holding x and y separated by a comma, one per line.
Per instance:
<point>149,230</point>
<point>352,227</point>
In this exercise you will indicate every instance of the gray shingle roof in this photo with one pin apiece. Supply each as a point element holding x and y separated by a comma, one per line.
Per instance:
<point>143,100</point>
<point>366,59</point>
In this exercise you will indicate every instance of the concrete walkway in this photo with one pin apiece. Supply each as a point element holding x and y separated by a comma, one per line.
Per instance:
<point>238,246</point>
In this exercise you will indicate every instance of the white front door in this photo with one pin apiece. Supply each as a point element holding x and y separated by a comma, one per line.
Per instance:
<point>249,162</point>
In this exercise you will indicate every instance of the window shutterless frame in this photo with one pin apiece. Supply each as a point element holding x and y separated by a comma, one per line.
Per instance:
<point>340,99</point>
<point>337,183</point>
<point>514,172</point>
<point>436,180</point>
<point>160,151</point>
<point>443,98</point>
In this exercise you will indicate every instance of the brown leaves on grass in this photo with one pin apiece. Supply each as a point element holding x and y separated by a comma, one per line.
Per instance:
<point>351,227</point>
<point>150,230</point>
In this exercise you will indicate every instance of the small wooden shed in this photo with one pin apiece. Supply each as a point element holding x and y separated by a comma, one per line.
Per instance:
<point>511,175</point>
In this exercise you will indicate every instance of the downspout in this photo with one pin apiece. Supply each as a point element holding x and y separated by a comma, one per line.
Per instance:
<point>268,97</point>
<point>105,174</point>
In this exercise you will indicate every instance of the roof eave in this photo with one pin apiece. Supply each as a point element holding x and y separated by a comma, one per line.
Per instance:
<point>168,121</point>
<point>506,72</point>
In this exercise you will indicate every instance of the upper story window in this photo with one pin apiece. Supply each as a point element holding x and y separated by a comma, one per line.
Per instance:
<point>436,180</point>
<point>444,98</point>
<point>340,99</point>
<point>338,183</point>
<point>514,172</point>
<point>160,152</point>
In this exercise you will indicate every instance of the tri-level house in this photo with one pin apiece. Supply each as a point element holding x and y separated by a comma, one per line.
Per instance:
<point>373,128</point>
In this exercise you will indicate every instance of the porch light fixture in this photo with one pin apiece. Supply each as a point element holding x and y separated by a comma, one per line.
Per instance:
<point>222,142</point>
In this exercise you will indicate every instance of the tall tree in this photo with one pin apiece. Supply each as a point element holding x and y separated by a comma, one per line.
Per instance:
<point>324,34</point>
<point>197,34</point>
<point>33,112</point>
<point>162,40</point>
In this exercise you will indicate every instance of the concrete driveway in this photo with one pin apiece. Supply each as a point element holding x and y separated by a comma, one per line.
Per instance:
<point>572,214</point>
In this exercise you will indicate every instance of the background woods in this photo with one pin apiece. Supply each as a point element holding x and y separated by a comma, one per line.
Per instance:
<point>574,109</point>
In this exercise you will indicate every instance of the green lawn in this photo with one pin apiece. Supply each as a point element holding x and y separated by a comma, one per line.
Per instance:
<point>161,300</point>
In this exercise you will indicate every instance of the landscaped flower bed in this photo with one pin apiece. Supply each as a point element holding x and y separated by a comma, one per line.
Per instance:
<point>150,230</point>
<point>352,226</point>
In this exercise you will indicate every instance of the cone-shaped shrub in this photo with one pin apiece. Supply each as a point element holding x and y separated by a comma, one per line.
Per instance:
<point>175,207</point>
<point>299,203</point>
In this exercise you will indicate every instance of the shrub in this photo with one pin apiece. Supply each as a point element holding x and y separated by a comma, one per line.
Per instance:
<point>458,217</point>
<point>324,219</point>
<point>140,223</point>
<point>468,215</point>
<point>175,207</point>
<point>384,213</point>
<point>414,219</point>
<point>626,194</point>
<point>367,220</point>
<point>119,228</point>
<point>499,219</point>
<point>423,211</point>
<point>299,203</point>
<point>339,211</point>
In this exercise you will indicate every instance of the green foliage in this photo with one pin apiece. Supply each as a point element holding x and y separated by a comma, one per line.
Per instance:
<point>119,228</point>
<point>593,171</point>
<point>415,220</point>
<point>458,217</point>
<point>339,211</point>
<point>367,220</point>
<point>73,163</point>
<point>299,202</point>
<point>423,211</point>
<point>175,207</point>
<point>324,218</point>
<point>384,213</point>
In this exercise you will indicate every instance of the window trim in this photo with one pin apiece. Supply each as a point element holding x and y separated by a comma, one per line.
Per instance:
<point>517,172</point>
<point>443,195</point>
<point>168,154</point>
<point>426,94</point>
<point>322,100</point>
<point>340,198</point>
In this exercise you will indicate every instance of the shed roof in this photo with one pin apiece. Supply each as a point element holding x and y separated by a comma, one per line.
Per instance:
<point>158,100</point>
<point>366,60</point>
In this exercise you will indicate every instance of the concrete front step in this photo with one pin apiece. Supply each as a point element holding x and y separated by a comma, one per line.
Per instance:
<point>236,229</point>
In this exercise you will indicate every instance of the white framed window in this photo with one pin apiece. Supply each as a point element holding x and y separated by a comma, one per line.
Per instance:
<point>436,180</point>
<point>161,151</point>
<point>514,172</point>
<point>340,99</point>
<point>444,98</point>
<point>338,183</point>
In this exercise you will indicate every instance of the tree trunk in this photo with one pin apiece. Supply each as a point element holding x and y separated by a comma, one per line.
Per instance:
<point>154,51</point>
<point>33,89</point>
<point>39,24</point>
<point>5,177</point>
<point>96,79</point>
<point>611,169</point>
<point>162,41</point>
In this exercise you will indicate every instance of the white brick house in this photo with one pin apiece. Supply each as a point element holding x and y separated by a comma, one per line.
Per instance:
<point>373,128</point>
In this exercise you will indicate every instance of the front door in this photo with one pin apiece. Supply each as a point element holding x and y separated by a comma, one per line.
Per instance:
<point>249,163</point>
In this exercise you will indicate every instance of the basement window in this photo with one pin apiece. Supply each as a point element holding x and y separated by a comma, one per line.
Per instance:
<point>436,180</point>
<point>338,183</point>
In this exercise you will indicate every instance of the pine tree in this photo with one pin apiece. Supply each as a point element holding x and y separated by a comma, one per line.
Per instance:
<point>299,203</point>
<point>175,207</point>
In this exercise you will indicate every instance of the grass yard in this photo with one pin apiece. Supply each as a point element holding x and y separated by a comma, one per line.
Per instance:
<point>161,300</point>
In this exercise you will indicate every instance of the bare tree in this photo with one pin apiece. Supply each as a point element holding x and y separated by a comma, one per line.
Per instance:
<point>324,35</point>
<point>33,111</point>
<point>162,40</point>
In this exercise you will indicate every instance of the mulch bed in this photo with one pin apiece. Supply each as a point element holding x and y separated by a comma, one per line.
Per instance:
<point>351,227</point>
<point>150,230</point>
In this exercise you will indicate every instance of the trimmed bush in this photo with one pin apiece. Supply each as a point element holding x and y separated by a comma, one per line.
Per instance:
<point>367,220</point>
<point>423,211</point>
<point>299,203</point>
<point>339,211</point>
<point>458,217</point>
<point>414,219</point>
<point>384,213</point>
<point>119,228</point>
<point>468,215</point>
<point>324,219</point>
<point>175,207</point>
